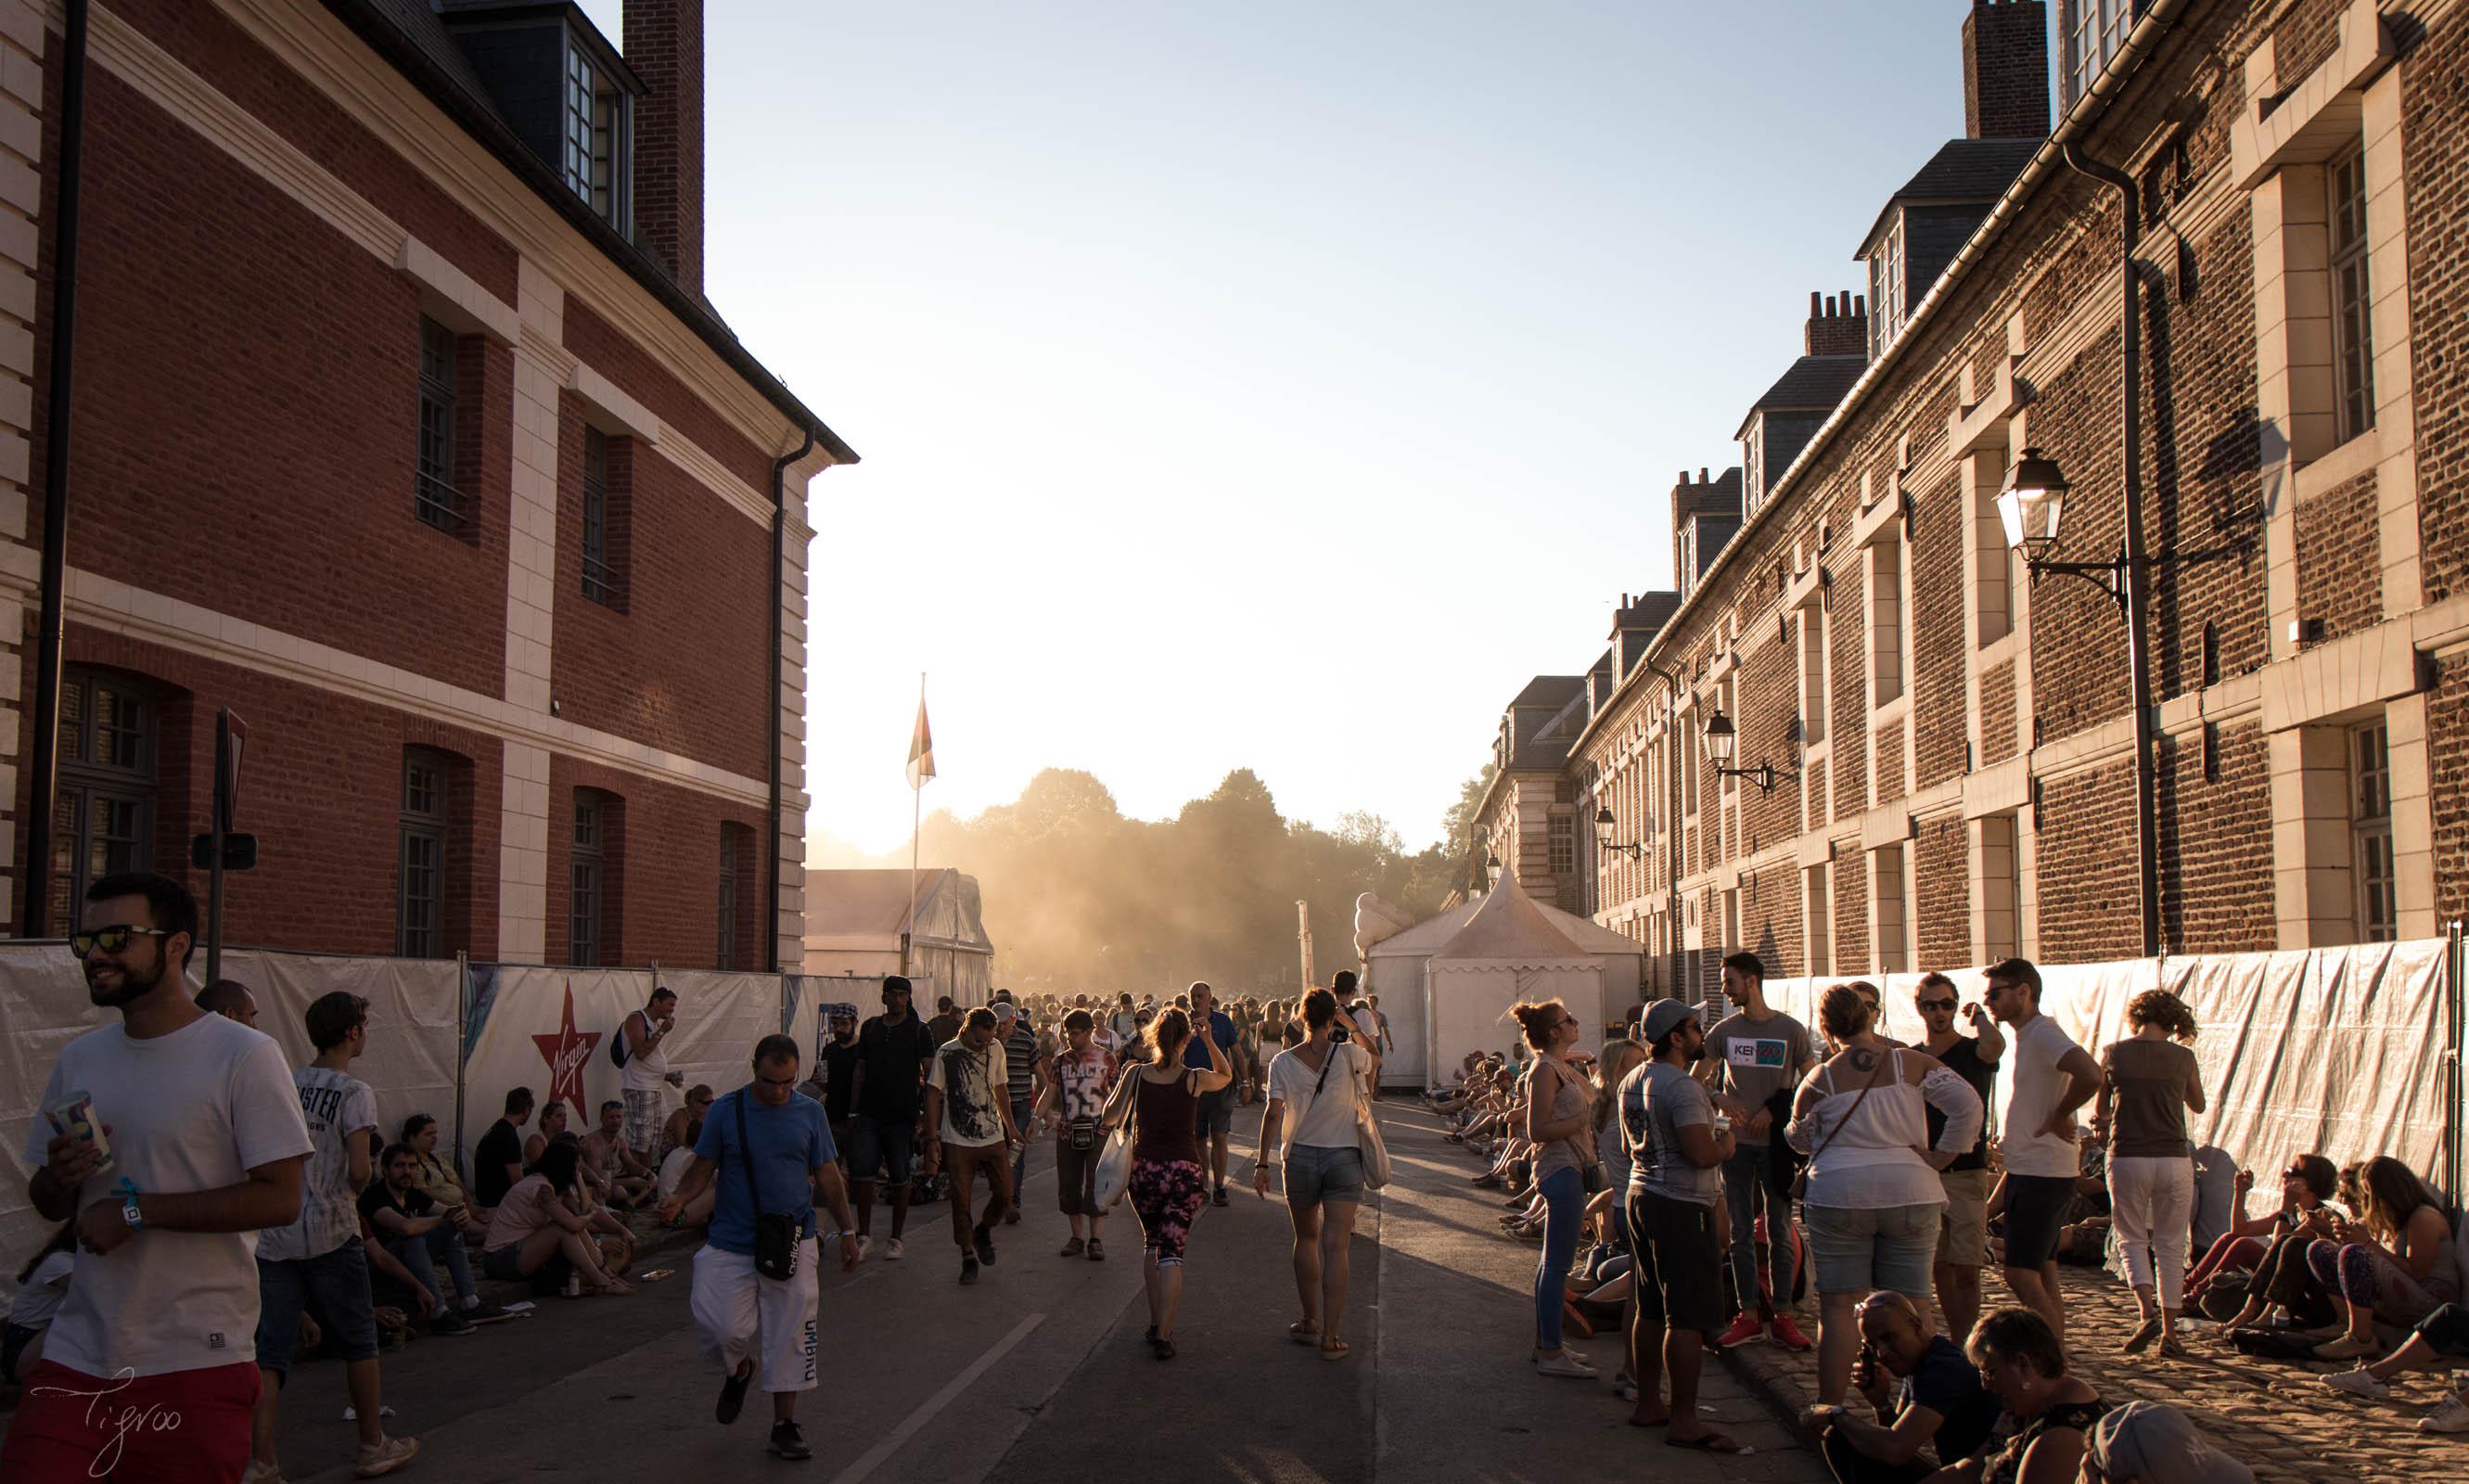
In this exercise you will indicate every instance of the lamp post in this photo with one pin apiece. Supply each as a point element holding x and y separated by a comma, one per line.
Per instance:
<point>2030,505</point>
<point>1723,741</point>
<point>1634,849</point>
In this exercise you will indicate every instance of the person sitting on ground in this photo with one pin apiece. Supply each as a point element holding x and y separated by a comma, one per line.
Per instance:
<point>435,1177</point>
<point>2304,1186</point>
<point>497,1160</point>
<point>42,1287</point>
<point>627,1179</point>
<point>2395,1264</point>
<point>552,1122</point>
<point>675,1134</point>
<point>1941,1403</point>
<point>535,1235</point>
<point>410,1228</point>
<point>2049,1410</point>
<point>673,1173</point>
<point>2440,1340</point>
<point>2148,1443</point>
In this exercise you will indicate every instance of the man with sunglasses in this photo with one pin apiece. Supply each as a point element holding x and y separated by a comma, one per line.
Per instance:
<point>1963,1229</point>
<point>206,1143</point>
<point>2043,1081</point>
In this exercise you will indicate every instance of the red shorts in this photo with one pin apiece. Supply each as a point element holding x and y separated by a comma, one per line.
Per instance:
<point>180,1427</point>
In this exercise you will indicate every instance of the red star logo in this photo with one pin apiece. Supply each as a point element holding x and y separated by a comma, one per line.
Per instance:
<point>567,1053</point>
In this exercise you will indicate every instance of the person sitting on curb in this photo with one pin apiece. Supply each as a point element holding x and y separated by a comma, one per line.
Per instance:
<point>533,1228</point>
<point>2440,1340</point>
<point>1942,1400</point>
<point>627,1181</point>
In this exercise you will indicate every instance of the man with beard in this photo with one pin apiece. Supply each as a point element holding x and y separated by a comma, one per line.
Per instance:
<point>969,1131</point>
<point>837,1065</point>
<point>1214,1118</point>
<point>205,1142</point>
<point>893,1049</point>
<point>1675,1147</point>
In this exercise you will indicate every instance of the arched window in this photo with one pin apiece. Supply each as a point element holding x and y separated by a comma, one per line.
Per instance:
<point>103,818</point>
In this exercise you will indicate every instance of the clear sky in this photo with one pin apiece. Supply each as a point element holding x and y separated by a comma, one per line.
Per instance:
<point>1269,385</point>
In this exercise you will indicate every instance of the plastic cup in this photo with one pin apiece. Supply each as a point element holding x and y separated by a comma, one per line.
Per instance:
<point>74,1116</point>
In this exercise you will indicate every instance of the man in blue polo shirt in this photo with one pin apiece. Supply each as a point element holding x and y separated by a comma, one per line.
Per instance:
<point>769,1150</point>
<point>1215,1118</point>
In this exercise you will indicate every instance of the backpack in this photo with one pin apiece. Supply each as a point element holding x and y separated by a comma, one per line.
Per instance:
<point>619,1052</point>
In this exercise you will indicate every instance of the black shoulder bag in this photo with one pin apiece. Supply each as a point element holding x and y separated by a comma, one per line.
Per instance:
<point>777,1236</point>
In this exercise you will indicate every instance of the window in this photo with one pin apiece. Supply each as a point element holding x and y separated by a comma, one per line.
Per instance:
<point>582,905</point>
<point>1820,919</point>
<point>1752,467</point>
<point>2371,796</point>
<point>596,583</point>
<point>2001,887</point>
<point>420,884</point>
<point>1811,632</point>
<point>2353,350</point>
<point>726,956</point>
<point>103,818</point>
<point>1889,945</point>
<point>434,498</point>
<point>1886,289</point>
<point>1886,638</point>
<point>2093,31</point>
<point>1564,839</point>
<point>593,113</point>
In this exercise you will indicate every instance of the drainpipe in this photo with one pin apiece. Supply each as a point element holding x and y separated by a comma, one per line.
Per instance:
<point>772,830</point>
<point>2138,568</point>
<point>43,762</point>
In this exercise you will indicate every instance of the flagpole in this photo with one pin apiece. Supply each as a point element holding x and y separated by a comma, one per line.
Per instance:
<point>917,822</point>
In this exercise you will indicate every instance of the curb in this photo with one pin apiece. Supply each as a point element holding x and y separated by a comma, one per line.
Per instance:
<point>1770,1385</point>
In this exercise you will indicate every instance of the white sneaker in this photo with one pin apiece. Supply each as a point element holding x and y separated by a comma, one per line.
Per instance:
<point>2453,1416</point>
<point>384,1456</point>
<point>892,1249</point>
<point>865,1245</point>
<point>1565,1363</point>
<point>2359,1383</point>
<point>260,1473</point>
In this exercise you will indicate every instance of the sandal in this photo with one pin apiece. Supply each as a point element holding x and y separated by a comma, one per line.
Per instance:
<point>1705,1442</point>
<point>1334,1350</point>
<point>1303,1332</point>
<point>615,1288</point>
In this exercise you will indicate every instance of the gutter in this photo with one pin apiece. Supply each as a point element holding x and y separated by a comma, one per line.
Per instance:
<point>371,25</point>
<point>2046,161</point>
<point>771,815</point>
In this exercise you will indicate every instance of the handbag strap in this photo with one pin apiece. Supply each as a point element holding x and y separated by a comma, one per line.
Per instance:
<point>1823,1145</point>
<point>746,1153</point>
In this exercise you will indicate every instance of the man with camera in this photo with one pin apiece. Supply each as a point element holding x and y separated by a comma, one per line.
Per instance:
<point>754,1280</point>
<point>1940,1400</point>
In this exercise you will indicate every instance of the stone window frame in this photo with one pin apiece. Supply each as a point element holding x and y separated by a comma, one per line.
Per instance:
<point>86,780</point>
<point>2371,866</point>
<point>1886,273</point>
<point>435,499</point>
<point>423,839</point>
<point>1817,916</point>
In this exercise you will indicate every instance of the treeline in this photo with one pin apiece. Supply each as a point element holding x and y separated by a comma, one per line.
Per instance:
<point>1078,898</point>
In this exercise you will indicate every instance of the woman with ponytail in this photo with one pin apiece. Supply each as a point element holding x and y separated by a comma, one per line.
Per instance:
<point>1167,1181</point>
<point>2148,1082</point>
<point>1560,1121</point>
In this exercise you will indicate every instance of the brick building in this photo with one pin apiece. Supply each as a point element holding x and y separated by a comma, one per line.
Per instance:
<point>1935,751</point>
<point>400,425</point>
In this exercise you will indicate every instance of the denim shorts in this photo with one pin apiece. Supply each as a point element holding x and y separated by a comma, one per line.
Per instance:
<point>1860,1248</point>
<point>1317,1173</point>
<point>876,1147</point>
<point>334,1286</point>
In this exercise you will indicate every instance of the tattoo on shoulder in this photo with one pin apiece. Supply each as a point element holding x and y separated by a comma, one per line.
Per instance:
<point>1863,1060</point>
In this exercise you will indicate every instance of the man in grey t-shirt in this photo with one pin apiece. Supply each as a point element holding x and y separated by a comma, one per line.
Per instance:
<point>1676,1142</point>
<point>1752,1054</point>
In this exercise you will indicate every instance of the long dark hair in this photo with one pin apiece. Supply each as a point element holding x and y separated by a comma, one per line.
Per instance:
<point>62,1240</point>
<point>557,1165</point>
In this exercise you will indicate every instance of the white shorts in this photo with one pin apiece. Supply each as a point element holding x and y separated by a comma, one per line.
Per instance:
<point>734,1306</point>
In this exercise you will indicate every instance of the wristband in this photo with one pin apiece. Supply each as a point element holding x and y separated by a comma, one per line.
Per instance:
<point>128,1211</point>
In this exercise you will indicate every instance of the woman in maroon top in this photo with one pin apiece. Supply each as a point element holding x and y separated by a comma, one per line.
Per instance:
<point>1168,1182</point>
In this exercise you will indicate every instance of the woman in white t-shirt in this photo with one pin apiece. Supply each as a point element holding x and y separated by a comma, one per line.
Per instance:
<point>42,1287</point>
<point>1312,1092</point>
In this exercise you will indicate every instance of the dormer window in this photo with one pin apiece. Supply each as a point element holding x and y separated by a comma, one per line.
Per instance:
<point>1886,289</point>
<point>594,136</point>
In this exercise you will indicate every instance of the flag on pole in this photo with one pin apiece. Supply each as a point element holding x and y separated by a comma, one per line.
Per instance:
<point>921,749</point>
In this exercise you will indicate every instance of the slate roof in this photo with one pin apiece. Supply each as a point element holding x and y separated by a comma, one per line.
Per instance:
<point>1814,384</point>
<point>1552,690</point>
<point>1963,171</point>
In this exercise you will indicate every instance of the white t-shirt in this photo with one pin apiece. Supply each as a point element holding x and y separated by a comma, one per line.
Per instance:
<point>195,1110</point>
<point>644,1071</point>
<point>673,1170</point>
<point>338,1108</point>
<point>1367,1024</point>
<point>45,1289</point>
<point>1325,1121</point>
<point>975,1086</point>
<point>2029,1085</point>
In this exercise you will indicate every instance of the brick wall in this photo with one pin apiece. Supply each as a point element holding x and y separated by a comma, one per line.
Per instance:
<point>2340,558</point>
<point>1850,920</point>
<point>2447,716</point>
<point>2215,878</point>
<point>2089,911</point>
<point>606,348</point>
<point>1940,862</point>
<point>2434,96</point>
<point>660,874</point>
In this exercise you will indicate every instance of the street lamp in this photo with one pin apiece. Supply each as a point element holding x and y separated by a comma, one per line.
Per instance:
<point>1634,849</point>
<point>1723,741</point>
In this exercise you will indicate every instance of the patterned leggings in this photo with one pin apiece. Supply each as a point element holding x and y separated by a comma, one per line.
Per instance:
<point>1166,1195</point>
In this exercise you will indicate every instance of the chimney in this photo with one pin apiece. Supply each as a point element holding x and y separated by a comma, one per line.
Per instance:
<point>2006,70</point>
<point>1838,325</point>
<point>664,46</point>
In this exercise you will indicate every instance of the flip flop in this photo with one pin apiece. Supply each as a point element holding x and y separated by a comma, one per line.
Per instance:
<point>1710,1443</point>
<point>1302,1332</point>
<point>1335,1350</point>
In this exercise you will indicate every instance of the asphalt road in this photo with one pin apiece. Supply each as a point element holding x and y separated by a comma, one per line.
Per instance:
<point>1038,1372</point>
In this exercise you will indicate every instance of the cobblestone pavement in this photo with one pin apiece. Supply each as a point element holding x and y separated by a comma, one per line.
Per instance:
<point>2276,1416</point>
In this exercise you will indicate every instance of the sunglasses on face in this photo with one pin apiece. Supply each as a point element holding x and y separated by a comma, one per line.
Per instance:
<point>110,940</point>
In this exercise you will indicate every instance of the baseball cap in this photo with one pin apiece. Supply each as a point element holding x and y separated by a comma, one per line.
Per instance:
<point>2146,1440</point>
<point>1005,1010</point>
<point>1663,1017</point>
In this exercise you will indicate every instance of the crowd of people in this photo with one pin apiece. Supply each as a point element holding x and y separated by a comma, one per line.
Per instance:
<point>1697,1183</point>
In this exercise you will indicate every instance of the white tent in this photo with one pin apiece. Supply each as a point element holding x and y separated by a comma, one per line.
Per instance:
<point>1394,969</point>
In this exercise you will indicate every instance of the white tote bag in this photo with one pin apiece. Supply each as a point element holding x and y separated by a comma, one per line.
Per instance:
<point>1367,1137</point>
<point>1115,1163</point>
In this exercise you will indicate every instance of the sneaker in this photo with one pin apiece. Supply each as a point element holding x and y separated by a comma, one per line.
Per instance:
<point>1565,1363</point>
<point>893,1251</point>
<point>1786,1334</point>
<point>732,1395</point>
<point>448,1322</point>
<point>1219,1198</point>
<point>1075,1246</point>
<point>986,1246</point>
<point>1097,1250</point>
<point>2453,1416</point>
<point>788,1442</point>
<point>384,1456</point>
<point>485,1314</point>
<point>865,1245</point>
<point>1744,1329</point>
<point>2359,1383</point>
<point>1011,1217</point>
<point>968,1271</point>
